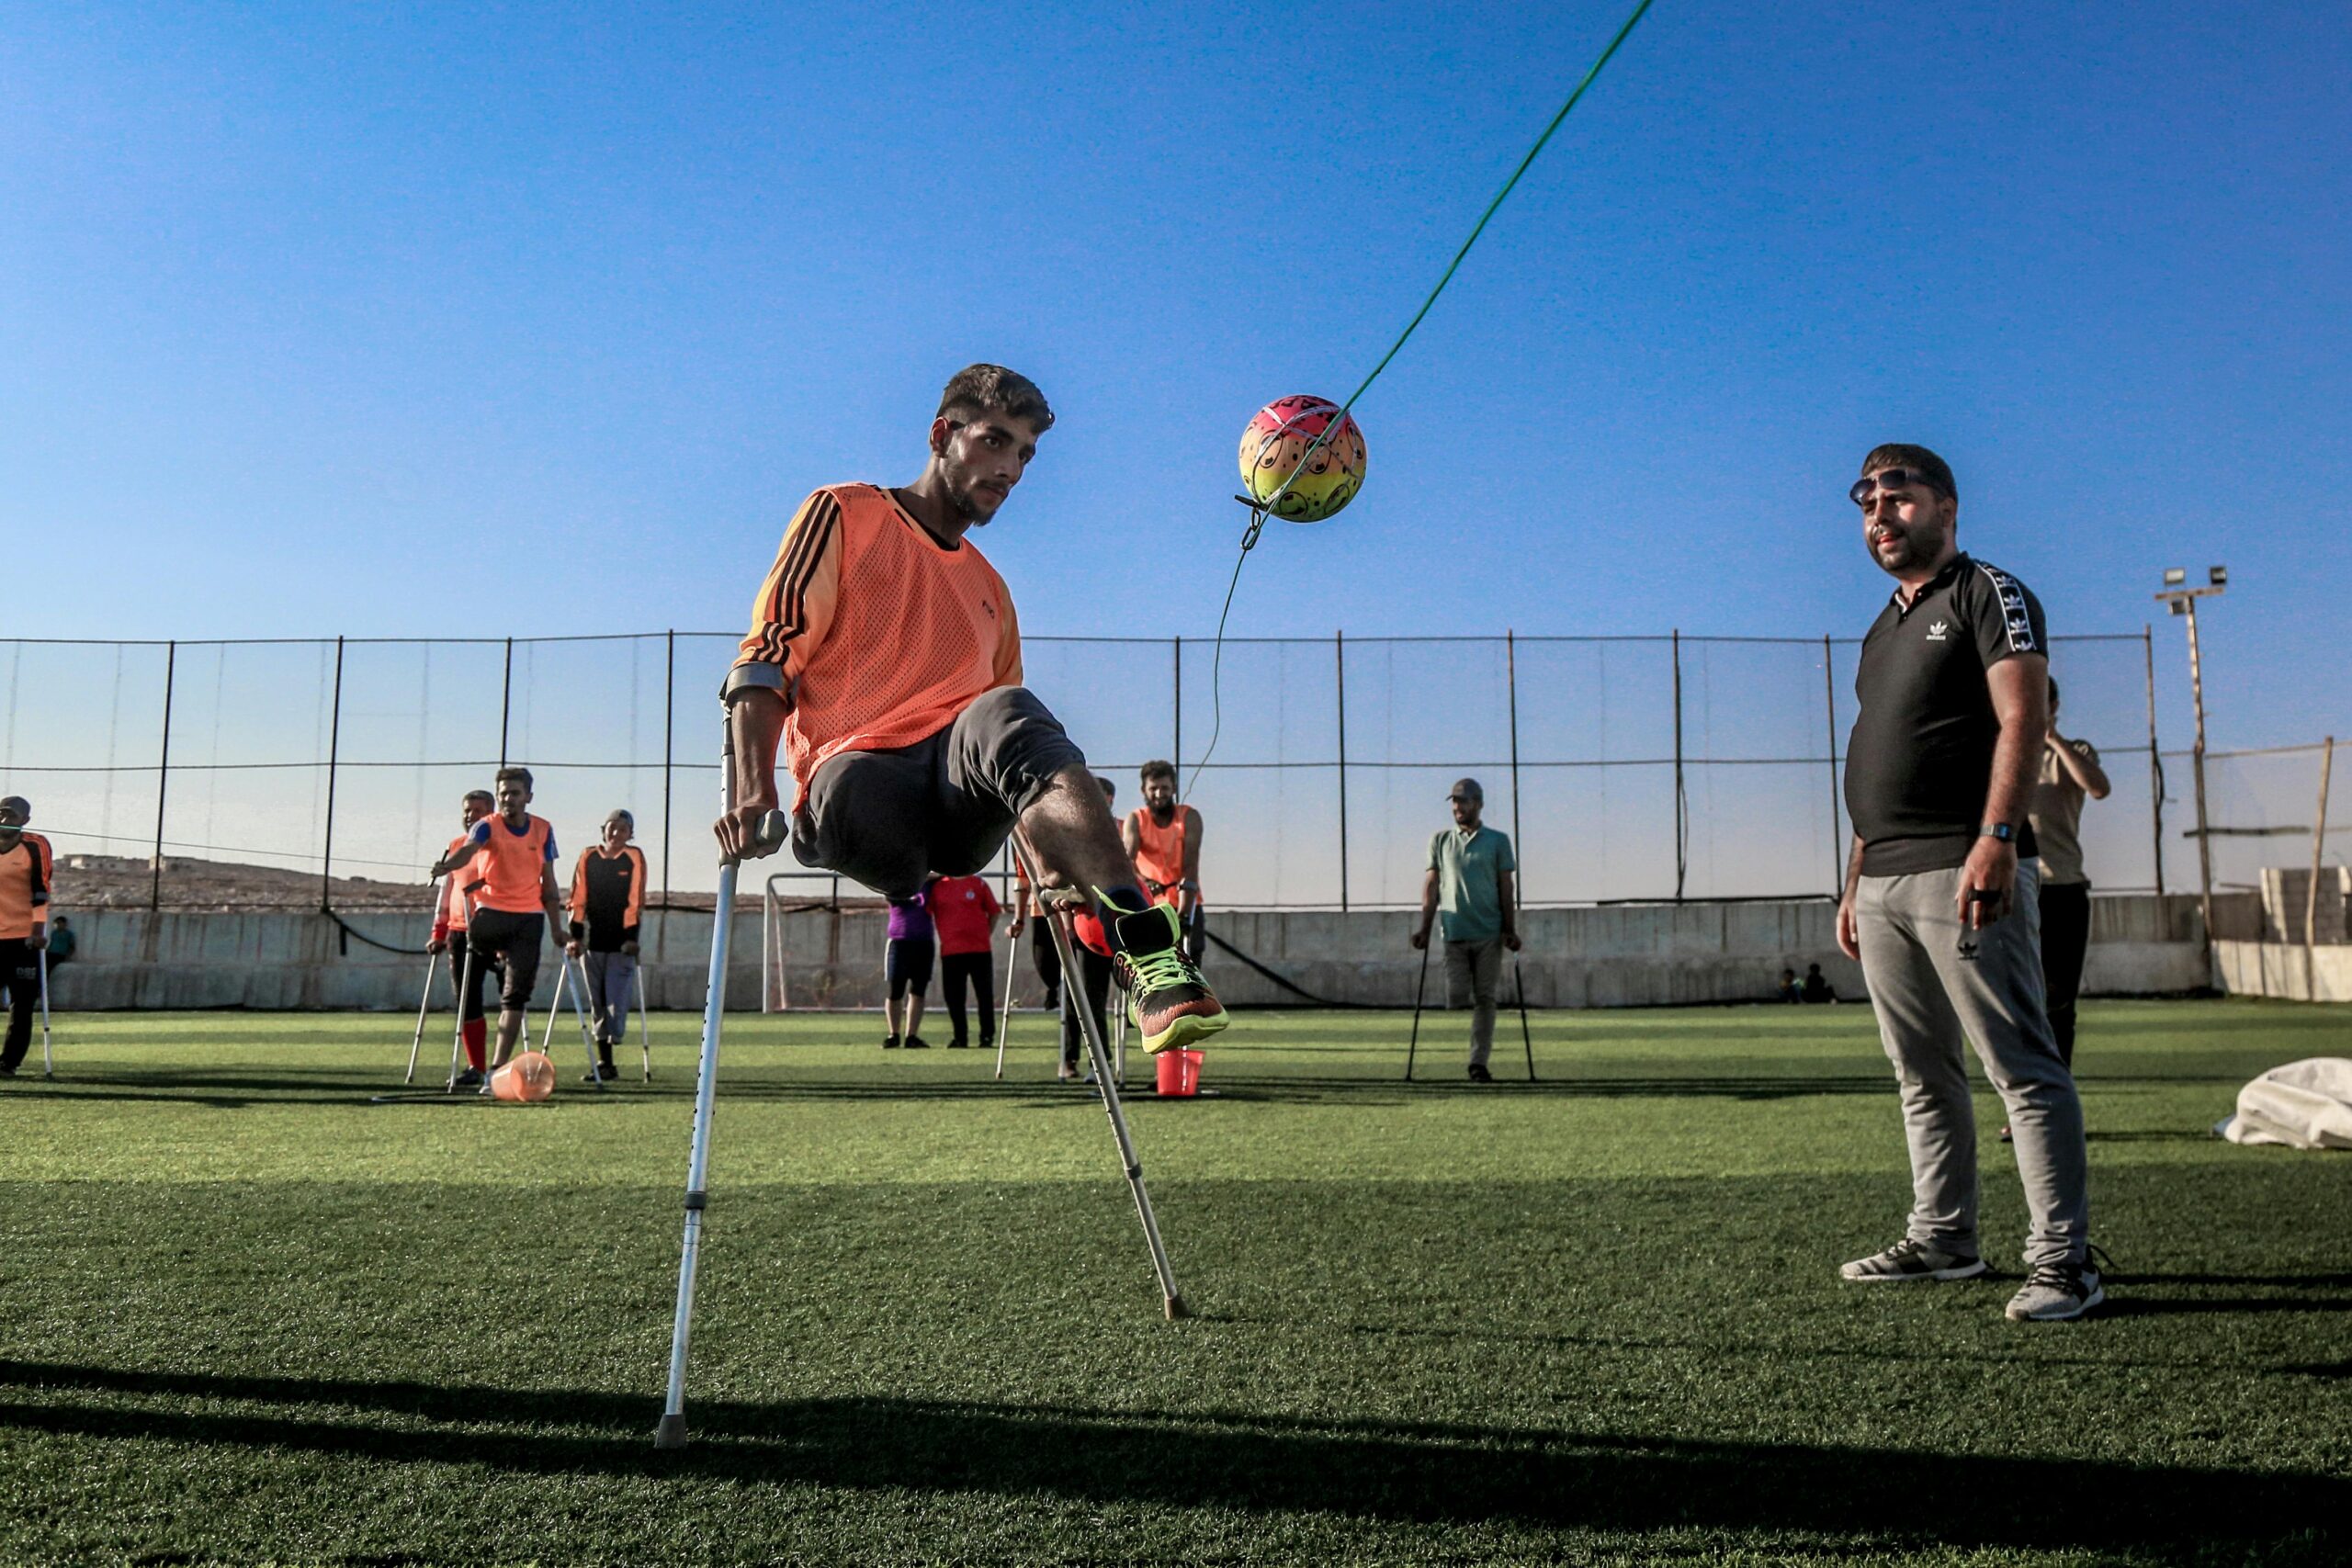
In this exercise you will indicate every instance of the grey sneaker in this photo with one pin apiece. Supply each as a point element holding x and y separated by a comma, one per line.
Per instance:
<point>1911,1260</point>
<point>2056,1292</point>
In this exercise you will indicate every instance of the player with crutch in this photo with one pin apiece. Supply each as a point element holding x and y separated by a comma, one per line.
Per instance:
<point>448,936</point>
<point>607,906</point>
<point>885,659</point>
<point>25,868</point>
<point>513,852</point>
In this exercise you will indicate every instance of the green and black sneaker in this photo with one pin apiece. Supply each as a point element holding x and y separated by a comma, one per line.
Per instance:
<point>1170,1003</point>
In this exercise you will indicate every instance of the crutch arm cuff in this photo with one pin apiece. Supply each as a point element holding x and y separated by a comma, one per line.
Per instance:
<point>752,676</point>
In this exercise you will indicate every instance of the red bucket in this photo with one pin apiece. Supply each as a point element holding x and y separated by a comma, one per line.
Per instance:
<point>1179,1073</point>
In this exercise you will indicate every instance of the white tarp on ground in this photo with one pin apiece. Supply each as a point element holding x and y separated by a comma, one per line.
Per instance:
<point>2304,1105</point>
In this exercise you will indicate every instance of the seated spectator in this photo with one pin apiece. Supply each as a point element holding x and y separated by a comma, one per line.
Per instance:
<point>1789,990</point>
<point>1816,985</point>
<point>62,941</point>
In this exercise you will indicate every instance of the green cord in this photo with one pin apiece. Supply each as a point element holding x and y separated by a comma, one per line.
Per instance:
<point>1260,512</point>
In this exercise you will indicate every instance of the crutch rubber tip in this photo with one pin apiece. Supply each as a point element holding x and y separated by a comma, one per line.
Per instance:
<point>669,1432</point>
<point>1176,1308</point>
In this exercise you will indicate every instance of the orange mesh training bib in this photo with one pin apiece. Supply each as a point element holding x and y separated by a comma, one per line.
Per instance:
<point>512,865</point>
<point>1160,852</point>
<point>915,637</point>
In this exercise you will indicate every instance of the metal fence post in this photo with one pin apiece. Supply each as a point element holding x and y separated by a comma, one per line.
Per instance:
<point>1176,757</point>
<point>163,774</point>
<point>1339,651</point>
<point>505,700</point>
<point>2155,761</point>
<point>1681,808</point>
<point>1510,692</point>
<point>2311,896</point>
<point>669,747</point>
<point>335,746</point>
<point>1836,813</point>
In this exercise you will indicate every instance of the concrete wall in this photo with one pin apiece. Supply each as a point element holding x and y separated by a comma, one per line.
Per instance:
<point>2285,970</point>
<point>1629,955</point>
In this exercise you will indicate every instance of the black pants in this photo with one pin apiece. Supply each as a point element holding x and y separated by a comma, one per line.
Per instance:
<point>906,964</point>
<point>513,939</point>
<point>2065,934</point>
<point>978,970</point>
<point>1095,973</point>
<point>946,804</point>
<point>1048,960</point>
<point>20,973</point>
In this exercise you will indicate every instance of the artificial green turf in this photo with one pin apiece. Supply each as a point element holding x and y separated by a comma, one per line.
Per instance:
<point>251,1314</point>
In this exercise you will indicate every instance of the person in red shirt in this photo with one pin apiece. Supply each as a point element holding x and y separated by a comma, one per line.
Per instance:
<point>885,659</point>
<point>449,936</point>
<point>1165,840</point>
<point>512,853</point>
<point>963,910</point>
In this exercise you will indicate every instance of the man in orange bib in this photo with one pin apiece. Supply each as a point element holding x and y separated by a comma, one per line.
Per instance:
<point>1165,841</point>
<point>885,659</point>
<point>449,935</point>
<point>25,864</point>
<point>514,854</point>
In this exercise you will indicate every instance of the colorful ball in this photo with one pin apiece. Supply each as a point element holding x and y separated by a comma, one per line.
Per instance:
<point>1280,436</point>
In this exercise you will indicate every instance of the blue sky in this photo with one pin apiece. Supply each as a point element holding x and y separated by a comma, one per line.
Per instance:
<point>488,319</point>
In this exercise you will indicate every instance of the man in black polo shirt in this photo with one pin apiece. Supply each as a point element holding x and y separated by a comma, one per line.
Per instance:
<point>1940,899</point>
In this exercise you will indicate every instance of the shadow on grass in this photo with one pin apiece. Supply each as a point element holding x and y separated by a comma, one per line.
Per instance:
<point>1395,1470</point>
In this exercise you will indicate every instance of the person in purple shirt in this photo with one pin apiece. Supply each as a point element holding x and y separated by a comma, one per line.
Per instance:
<point>907,957</point>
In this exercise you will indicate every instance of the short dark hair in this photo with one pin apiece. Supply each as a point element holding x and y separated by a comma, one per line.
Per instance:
<point>1901,455</point>
<point>1158,768</point>
<point>480,794</point>
<point>2053,695</point>
<point>514,772</point>
<point>991,388</point>
<point>1110,790</point>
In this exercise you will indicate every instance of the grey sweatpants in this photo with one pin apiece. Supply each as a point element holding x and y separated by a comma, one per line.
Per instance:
<point>1931,1002</point>
<point>612,980</point>
<point>1474,972</point>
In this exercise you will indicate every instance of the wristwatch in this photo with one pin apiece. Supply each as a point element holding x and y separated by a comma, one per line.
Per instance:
<point>2001,830</point>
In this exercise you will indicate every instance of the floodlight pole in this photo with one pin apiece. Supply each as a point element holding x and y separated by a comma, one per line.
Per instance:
<point>2183,602</point>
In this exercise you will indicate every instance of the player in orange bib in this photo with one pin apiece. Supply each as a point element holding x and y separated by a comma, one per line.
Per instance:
<point>449,935</point>
<point>26,863</point>
<point>513,855</point>
<point>885,659</point>
<point>1165,840</point>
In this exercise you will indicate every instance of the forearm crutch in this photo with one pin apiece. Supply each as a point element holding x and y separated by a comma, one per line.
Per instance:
<point>1419,987</point>
<point>670,1433</point>
<point>464,993</point>
<point>1092,1028</point>
<point>644,1019</point>
<point>580,999</point>
<point>423,1006</point>
<point>1004,1018</point>
<point>1518,972</point>
<point>1119,1045</point>
<point>48,1063</point>
<point>563,987</point>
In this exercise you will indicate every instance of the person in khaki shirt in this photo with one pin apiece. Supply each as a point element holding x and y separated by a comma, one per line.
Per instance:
<point>2070,774</point>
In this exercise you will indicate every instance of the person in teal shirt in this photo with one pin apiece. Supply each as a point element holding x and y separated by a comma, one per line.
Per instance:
<point>1470,892</point>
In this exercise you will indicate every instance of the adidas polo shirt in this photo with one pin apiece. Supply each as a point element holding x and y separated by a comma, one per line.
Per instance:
<point>1919,761</point>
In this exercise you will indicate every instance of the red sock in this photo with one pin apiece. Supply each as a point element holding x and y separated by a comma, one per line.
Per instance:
<point>475,1031</point>
<point>1088,921</point>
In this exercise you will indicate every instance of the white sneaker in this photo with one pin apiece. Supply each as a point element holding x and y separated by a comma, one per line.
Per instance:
<point>1910,1261</point>
<point>2056,1292</point>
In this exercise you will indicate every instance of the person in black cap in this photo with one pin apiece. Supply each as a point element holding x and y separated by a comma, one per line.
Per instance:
<point>1940,902</point>
<point>1470,892</point>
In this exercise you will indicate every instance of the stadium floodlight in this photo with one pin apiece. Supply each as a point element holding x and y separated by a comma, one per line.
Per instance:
<point>2180,600</point>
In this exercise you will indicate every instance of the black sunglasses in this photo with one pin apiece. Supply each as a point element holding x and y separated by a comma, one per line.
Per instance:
<point>1889,479</point>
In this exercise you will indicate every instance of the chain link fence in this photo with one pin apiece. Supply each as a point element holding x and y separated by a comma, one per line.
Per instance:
<point>294,773</point>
